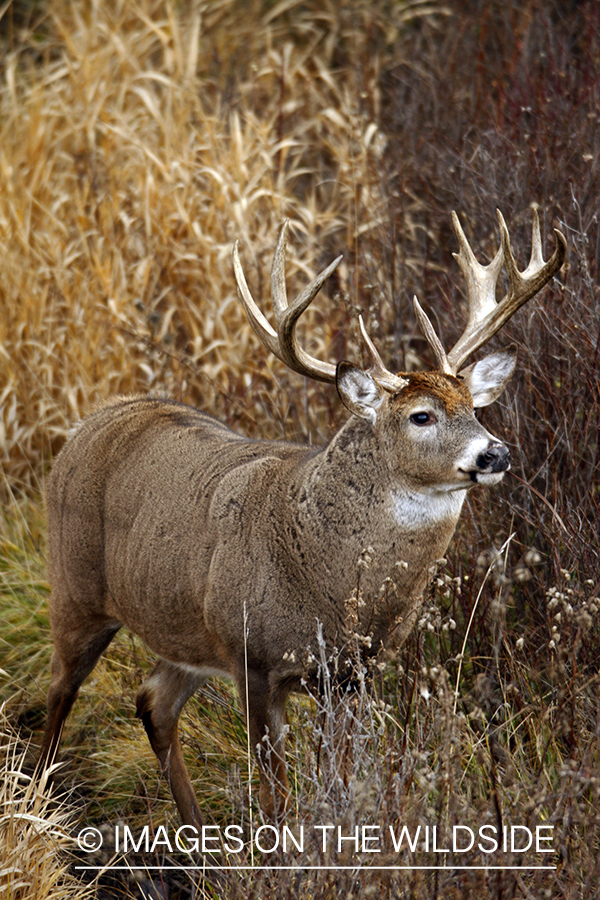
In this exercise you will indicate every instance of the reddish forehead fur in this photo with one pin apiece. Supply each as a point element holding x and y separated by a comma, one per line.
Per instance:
<point>450,392</point>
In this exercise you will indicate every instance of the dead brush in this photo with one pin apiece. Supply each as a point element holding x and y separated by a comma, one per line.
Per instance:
<point>35,831</point>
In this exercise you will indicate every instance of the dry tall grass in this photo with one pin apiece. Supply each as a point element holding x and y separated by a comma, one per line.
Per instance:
<point>138,140</point>
<point>35,831</point>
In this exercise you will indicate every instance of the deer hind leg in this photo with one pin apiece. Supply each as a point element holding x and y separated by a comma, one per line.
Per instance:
<point>266,724</point>
<point>77,649</point>
<point>159,703</point>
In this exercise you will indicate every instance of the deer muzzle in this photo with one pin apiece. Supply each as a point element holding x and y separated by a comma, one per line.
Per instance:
<point>495,459</point>
<point>491,464</point>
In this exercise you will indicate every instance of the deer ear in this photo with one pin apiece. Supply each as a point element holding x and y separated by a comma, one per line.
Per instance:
<point>487,378</point>
<point>358,391</point>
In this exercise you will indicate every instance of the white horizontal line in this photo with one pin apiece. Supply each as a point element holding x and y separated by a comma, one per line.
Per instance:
<point>305,868</point>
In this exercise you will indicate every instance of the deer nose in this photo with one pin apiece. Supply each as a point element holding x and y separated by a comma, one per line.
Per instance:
<point>495,459</point>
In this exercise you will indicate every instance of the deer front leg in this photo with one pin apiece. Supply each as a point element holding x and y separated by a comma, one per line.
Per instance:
<point>159,703</point>
<point>78,645</point>
<point>266,725</point>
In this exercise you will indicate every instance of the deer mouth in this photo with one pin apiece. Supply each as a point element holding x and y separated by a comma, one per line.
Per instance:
<point>478,477</point>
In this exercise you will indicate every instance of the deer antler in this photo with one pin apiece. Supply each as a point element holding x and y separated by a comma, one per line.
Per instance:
<point>486,316</point>
<point>378,371</point>
<point>283,342</point>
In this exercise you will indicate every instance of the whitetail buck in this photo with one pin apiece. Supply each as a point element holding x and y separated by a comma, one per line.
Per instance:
<point>224,554</point>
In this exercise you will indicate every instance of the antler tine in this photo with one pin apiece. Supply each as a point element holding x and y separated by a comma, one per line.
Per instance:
<point>536,260</point>
<point>283,342</point>
<point>481,280</point>
<point>278,288</point>
<point>260,325</point>
<point>432,338</point>
<point>378,371</point>
<point>486,316</point>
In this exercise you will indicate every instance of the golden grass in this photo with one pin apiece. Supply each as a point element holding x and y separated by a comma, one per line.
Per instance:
<point>35,831</point>
<point>126,174</point>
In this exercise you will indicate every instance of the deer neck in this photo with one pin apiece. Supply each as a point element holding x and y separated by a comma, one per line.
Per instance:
<point>351,485</point>
<point>350,507</point>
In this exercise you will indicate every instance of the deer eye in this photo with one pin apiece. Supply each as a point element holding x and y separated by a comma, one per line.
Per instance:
<point>423,418</point>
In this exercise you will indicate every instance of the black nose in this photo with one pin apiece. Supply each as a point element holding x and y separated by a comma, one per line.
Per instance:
<point>495,459</point>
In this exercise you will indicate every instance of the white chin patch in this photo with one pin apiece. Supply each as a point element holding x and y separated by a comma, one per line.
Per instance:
<point>489,477</point>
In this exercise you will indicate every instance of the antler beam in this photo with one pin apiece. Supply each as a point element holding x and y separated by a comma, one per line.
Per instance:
<point>486,316</point>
